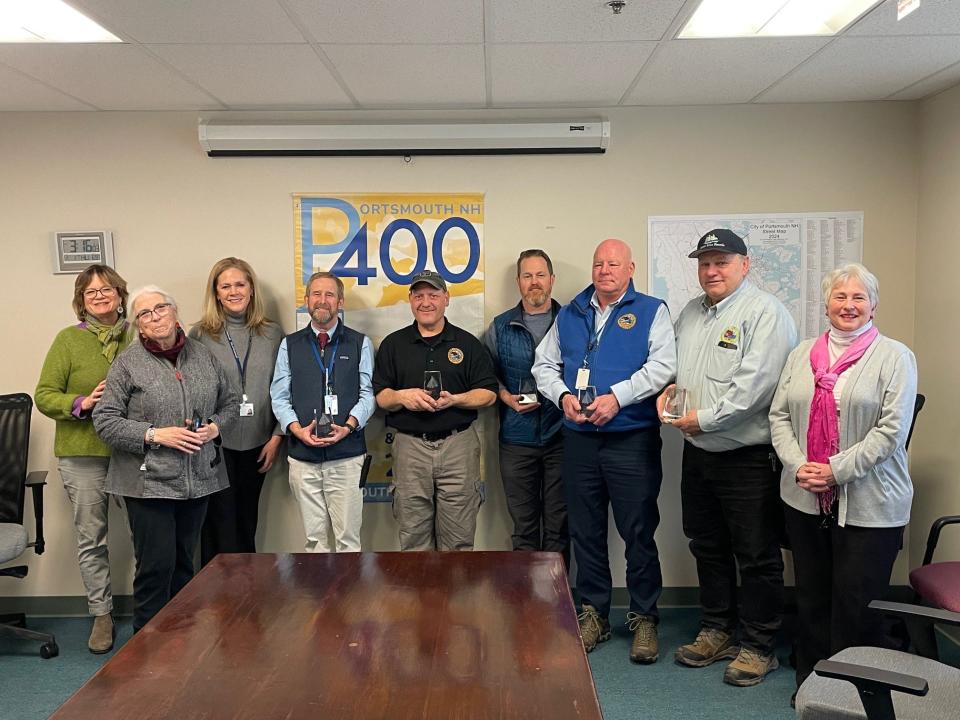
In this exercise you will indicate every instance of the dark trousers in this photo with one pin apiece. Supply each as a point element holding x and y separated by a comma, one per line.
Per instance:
<point>533,484</point>
<point>165,536</point>
<point>231,524</point>
<point>732,517</point>
<point>621,470</point>
<point>839,571</point>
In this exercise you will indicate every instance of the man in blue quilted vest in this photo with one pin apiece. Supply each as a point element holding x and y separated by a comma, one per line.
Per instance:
<point>612,348</point>
<point>531,445</point>
<point>324,372</point>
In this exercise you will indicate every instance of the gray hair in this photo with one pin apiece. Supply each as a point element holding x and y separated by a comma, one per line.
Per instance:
<point>150,290</point>
<point>851,271</point>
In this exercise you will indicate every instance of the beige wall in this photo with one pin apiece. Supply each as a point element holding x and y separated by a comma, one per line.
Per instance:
<point>936,466</point>
<point>174,211</point>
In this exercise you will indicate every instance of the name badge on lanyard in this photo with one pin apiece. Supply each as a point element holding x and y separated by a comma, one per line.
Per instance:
<point>246,407</point>
<point>330,404</point>
<point>583,373</point>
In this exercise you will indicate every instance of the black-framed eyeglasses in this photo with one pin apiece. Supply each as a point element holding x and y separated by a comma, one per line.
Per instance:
<point>106,291</point>
<point>158,311</point>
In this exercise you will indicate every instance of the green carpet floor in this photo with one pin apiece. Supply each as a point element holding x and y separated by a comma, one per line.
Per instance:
<point>32,688</point>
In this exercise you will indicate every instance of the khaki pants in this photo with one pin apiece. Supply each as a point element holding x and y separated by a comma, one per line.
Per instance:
<point>330,499</point>
<point>436,490</point>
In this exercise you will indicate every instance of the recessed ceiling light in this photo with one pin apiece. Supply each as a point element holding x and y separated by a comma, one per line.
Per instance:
<point>769,18</point>
<point>51,21</point>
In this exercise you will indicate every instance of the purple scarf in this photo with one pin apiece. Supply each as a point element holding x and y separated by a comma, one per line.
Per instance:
<point>823,431</point>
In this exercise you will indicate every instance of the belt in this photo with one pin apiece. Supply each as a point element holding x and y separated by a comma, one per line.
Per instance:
<point>438,435</point>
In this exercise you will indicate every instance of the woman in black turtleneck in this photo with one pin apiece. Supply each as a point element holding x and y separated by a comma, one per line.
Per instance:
<point>235,328</point>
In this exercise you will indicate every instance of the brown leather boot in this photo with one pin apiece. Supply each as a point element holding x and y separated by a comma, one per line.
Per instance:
<point>102,634</point>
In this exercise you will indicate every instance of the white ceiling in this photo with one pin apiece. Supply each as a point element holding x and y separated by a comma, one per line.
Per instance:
<point>374,54</point>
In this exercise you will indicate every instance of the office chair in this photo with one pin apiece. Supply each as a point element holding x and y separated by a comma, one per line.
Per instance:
<point>14,480</point>
<point>868,683</point>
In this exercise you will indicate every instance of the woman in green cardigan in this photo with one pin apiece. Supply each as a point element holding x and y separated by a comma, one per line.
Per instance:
<point>71,383</point>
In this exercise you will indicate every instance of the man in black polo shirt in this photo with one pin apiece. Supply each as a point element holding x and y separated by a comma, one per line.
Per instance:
<point>431,377</point>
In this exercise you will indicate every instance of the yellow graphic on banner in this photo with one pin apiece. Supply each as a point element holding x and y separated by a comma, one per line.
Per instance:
<point>375,243</point>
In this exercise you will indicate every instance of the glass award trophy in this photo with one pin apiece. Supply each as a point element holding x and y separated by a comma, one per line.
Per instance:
<point>323,425</point>
<point>675,404</point>
<point>528,392</point>
<point>432,384</point>
<point>586,396</point>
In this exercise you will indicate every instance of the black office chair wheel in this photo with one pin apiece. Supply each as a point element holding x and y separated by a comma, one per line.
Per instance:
<point>49,650</point>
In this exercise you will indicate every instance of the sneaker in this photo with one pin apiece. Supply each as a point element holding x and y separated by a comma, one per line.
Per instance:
<point>749,668</point>
<point>593,628</point>
<point>645,648</point>
<point>102,634</point>
<point>711,645</point>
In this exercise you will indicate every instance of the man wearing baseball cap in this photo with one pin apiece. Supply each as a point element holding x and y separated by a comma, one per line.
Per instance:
<point>732,343</point>
<point>431,377</point>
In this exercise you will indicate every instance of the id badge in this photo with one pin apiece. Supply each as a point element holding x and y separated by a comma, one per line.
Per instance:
<point>583,378</point>
<point>330,405</point>
<point>246,409</point>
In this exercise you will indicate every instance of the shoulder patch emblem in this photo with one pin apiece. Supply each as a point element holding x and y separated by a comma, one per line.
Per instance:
<point>455,355</point>
<point>627,321</point>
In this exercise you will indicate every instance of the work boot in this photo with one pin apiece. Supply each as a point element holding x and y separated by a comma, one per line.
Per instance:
<point>750,668</point>
<point>645,648</point>
<point>593,628</point>
<point>101,636</point>
<point>711,645</point>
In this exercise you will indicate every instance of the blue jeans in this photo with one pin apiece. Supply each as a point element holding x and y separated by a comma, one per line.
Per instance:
<point>621,470</point>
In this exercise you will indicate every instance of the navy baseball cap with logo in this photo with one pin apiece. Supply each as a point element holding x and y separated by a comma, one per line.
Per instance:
<point>430,278</point>
<point>720,240</point>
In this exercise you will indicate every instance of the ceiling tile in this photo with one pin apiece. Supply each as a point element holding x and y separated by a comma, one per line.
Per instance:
<point>567,73</point>
<point>390,21</point>
<point>197,21</point>
<point>411,75</point>
<point>19,92</point>
<point>865,68</point>
<point>577,20</point>
<point>943,80</point>
<point>110,76</point>
<point>706,72</point>
<point>933,17</point>
<point>252,76</point>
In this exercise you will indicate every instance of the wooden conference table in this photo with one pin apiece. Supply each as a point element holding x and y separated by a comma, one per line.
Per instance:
<point>371,635</point>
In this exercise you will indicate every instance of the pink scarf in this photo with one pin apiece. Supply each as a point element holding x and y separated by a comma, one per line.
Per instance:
<point>823,431</point>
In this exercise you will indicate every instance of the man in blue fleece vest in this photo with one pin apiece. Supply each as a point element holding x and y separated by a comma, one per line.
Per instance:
<point>619,343</point>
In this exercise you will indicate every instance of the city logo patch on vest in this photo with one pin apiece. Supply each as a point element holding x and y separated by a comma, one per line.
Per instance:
<point>730,338</point>
<point>455,355</point>
<point>627,321</point>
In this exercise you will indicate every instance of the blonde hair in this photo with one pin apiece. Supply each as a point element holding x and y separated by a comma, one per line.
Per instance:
<point>213,319</point>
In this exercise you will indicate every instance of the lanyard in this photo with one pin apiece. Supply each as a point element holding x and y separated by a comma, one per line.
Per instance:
<point>333,360</point>
<point>242,369</point>
<point>595,337</point>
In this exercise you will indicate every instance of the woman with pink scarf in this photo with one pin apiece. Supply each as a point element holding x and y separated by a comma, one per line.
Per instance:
<point>839,422</point>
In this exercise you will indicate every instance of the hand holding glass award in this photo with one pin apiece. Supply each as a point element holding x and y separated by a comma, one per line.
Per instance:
<point>675,403</point>
<point>528,392</point>
<point>432,383</point>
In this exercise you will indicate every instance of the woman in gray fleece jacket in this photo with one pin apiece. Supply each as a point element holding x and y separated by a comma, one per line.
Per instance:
<point>162,410</point>
<point>839,422</point>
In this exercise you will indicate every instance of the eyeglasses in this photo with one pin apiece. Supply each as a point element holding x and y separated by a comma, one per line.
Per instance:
<point>106,291</point>
<point>159,311</point>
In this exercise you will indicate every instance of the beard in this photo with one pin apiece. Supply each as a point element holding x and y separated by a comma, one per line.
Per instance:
<point>536,297</point>
<point>322,314</point>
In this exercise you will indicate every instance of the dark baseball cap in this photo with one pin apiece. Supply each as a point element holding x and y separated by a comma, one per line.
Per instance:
<point>430,278</point>
<point>720,240</point>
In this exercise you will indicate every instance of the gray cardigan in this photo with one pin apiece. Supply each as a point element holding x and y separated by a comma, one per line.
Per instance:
<point>143,390</point>
<point>876,409</point>
<point>250,431</point>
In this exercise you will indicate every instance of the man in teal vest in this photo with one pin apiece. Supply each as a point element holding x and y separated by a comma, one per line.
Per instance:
<point>603,363</point>
<point>531,446</point>
<point>322,394</point>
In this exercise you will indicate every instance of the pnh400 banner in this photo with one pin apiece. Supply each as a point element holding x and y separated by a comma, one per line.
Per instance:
<point>376,243</point>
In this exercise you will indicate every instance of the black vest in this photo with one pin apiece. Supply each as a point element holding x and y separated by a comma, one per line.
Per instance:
<point>307,389</point>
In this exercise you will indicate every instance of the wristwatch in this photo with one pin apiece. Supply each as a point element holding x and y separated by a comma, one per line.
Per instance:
<point>353,428</point>
<point>151,438</point>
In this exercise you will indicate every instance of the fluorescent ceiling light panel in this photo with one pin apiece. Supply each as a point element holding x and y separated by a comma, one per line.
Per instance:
<point>772,18</point>
<point>52,21</point>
